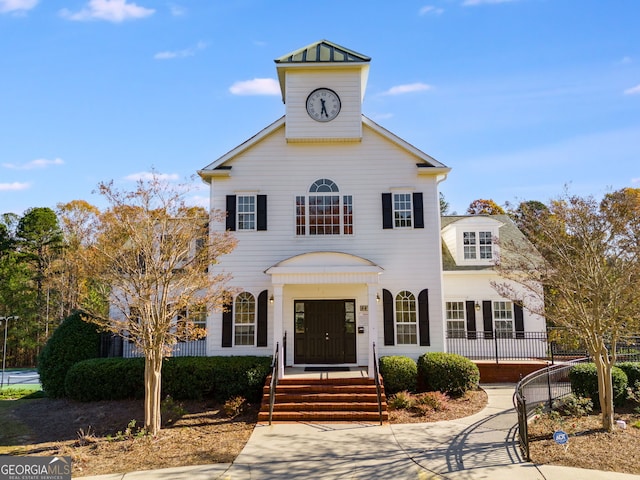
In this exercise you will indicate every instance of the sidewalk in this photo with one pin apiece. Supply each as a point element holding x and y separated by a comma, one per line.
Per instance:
<point>481,446</point>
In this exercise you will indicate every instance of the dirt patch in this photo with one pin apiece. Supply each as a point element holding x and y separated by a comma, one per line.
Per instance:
<point>470,403</point>
<point>97,437</point>
<point>589,446</point>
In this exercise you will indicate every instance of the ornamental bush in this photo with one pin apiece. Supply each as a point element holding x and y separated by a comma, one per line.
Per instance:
<point>584,383</point>
<point>183,378</point>
<point>399,373</point>
<point>73,341</point>
<point>632,370</point>
<point>448,373</point>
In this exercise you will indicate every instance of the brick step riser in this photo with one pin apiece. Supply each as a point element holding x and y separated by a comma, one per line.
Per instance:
<point>300,389</point>
<point>323,416</point>
<point>324,397</point>
<point>325,381</point>
<point>324,407</point>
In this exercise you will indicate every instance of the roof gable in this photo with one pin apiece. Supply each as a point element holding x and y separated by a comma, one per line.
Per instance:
<point>323,51</point>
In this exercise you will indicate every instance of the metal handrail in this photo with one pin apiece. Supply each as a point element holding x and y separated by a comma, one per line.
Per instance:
<point>377,380</point>
<point>273,384</point>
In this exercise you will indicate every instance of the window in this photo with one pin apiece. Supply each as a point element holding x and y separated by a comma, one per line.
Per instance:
<point>324,211</point>
<point>406,321</point>
<point>503,319</point>
<point>402,210</point>
<point>192,323</point>
<point>245,319</point>
<point>246,210</point>
<point>455,320</point>
<point>477,245</point>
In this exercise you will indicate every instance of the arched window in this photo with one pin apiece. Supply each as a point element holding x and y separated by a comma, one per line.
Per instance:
<point>244,319</point>
<point>406,319</point>
<point>324,211</point>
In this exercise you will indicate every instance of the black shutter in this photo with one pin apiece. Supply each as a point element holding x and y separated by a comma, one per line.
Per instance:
<point>261,224</point>
<point>470,306</point>
<point>418,211</point>
<point>423,318</point>
<point>389,324</point>
<point>261,340</point>
<point>227,326</point>
<point>519,318</point>
<point>231,214</point>
<point>387,211</point>
<point>487,318</point>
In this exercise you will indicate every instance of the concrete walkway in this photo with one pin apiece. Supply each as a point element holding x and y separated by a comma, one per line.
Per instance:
<point>481,446</point>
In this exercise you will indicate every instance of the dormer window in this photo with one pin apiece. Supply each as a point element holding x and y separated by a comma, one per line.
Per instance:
<point>477,245</point>
<point>324,211</point>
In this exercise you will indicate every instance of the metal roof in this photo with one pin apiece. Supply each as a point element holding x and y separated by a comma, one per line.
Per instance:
<point>323,51</point>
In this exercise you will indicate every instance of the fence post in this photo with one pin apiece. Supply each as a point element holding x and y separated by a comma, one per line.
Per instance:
<point>495,341</point>
<point>549,387</point>
<point>553,347</point>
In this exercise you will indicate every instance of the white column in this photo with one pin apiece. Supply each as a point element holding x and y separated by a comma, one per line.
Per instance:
<point>278,330</point>
<point>372,291</point>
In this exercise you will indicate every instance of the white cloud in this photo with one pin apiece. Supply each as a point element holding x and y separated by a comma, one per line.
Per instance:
<point>187,52</point>
<point>626,60</point>
<point>13,187</point>
<point>177,10</point>
<point>257,86</point>
<point>109,10</point>
<point>407,88</point>
<point>17,6</point>
<point>33,164</point>
<point>430,9</point>
<point>473,3</point>
<point>146,176</point>
<point>633,90</point>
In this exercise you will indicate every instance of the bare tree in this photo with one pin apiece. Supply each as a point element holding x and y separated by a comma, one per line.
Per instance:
<point>154,258</point>
<point>584,264</point>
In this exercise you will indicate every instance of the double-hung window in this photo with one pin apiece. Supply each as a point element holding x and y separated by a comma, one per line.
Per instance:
<point>402,210</point>
<point>324,211</point>
<point>246,211</point>
<point>503,319</point>
<point>455,312</point>
<point>192,323</point>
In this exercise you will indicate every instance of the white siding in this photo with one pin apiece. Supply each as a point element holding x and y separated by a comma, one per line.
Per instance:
<point>411,258</point>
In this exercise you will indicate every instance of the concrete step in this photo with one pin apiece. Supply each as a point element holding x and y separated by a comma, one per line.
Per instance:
<point>319,416</point>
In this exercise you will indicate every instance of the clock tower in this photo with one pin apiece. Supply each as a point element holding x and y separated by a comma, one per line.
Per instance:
<point>323,86</point>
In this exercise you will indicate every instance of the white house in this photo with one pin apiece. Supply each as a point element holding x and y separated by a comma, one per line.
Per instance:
<point>340,238</point>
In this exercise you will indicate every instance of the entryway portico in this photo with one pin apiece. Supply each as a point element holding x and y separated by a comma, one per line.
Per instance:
<point>327,302</point>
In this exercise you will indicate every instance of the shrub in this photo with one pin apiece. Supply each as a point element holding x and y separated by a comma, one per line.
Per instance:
<point>399,373</point>
<point>219,378</point>
<point>574,406</point>
<point>428,401</point>
<point>73,341</point>
<point>449,373</point>
<point>632,370</point>
<point>584,383</point>
<point>401,401</point>
<point>106,379</point>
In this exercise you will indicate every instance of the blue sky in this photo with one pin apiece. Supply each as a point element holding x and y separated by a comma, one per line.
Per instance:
<point>519,97</point>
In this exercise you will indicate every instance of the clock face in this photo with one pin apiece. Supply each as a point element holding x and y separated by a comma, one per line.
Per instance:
<point>323,105</point>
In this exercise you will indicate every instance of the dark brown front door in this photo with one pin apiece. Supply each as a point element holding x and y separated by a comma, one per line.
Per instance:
<point>325,331</point>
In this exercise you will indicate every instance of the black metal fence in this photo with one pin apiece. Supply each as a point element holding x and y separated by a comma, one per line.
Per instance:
<point>537,389</point>
<point>499,345</point>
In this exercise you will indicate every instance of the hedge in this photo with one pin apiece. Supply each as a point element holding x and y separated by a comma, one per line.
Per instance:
<point>73,341</point>
<point>183,378</point>
<point>632,370</point>
<point>448,373</point>
<point>399,373</point>
<point>584,383</point>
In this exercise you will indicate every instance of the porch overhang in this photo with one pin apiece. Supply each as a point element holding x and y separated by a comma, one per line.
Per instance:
<point>324,268</point>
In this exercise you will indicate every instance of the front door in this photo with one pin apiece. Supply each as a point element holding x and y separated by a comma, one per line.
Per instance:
<point>325,331</point>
